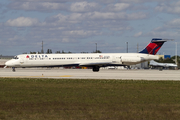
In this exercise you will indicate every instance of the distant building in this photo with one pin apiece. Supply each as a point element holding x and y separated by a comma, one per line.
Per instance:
<point>3,59</point>
<point>6,57</point>
<point>143,65</point>
<point>164,56</point>
<point>161,56</point>
<point>167,56</point>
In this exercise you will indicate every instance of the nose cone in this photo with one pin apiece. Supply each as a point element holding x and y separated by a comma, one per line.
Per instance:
<point>6,63</point>
<point>9,63</point>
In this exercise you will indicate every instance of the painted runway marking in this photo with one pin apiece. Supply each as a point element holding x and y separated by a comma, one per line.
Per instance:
<point>66,76</point>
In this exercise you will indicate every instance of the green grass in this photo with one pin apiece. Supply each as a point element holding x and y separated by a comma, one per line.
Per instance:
<point>71,99</point>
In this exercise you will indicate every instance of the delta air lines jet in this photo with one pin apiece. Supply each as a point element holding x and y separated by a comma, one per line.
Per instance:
<point>94,60</point>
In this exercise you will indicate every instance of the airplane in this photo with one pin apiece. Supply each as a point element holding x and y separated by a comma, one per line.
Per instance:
<point>164,65</point>
<point>94,60</point>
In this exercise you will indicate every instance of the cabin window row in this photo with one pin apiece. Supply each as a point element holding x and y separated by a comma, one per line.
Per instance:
<point>83,58</point>
<point>57,58</point>
<point>71,58</point>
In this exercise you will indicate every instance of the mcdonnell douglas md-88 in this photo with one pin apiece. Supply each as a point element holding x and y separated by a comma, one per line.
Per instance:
<point>94,60</point>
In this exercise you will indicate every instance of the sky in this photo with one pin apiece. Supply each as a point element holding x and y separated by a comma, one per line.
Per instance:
<point>78,25</point>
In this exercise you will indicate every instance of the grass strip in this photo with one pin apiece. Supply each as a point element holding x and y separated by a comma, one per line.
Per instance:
<point>82,99</point>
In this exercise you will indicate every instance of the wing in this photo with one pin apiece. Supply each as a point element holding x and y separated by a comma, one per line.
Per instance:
<point>95,64</point>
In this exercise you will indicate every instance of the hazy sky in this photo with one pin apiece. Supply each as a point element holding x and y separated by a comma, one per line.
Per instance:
<point>77,25</point>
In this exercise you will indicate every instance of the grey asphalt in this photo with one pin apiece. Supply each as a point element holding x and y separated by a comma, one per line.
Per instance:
<point>88,74</point>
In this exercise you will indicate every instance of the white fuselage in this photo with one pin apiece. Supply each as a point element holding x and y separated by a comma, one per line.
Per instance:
<point>88,59</point>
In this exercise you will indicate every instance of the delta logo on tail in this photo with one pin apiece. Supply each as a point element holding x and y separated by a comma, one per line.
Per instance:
<point>154,46</point>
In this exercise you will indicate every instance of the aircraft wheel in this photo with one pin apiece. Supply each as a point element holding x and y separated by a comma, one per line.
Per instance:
<point>13,69</point>
<point>161,68</point>
<point>95,68</point>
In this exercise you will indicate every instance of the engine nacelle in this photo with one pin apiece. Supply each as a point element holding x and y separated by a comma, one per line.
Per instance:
<point>131,60</point>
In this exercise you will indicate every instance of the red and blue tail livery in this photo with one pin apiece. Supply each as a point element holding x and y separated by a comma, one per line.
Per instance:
<point>153,47</point>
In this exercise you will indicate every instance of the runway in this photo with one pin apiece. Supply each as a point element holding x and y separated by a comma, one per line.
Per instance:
<point>88,74</point>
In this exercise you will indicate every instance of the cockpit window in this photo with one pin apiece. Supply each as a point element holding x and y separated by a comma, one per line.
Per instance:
<point>15,57</point>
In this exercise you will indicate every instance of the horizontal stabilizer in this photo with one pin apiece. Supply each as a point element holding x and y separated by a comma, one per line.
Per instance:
<point>160,40</point>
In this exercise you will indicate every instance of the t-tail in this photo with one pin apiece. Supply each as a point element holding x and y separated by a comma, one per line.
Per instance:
<point>154,46</point>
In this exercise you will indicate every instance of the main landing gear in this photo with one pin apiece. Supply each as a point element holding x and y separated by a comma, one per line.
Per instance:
<point>95,68</point>
<point>127,67</point>
<point>13,69</point>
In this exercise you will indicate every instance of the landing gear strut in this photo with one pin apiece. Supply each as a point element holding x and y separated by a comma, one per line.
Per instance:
<point>160,68</point>
<point>13,69</point>
<point>96,68</point>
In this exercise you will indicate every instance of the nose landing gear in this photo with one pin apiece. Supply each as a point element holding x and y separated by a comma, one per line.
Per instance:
<point>13,69</point>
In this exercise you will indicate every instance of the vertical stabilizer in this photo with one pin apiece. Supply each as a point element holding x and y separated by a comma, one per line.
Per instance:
<point>154,46</point>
